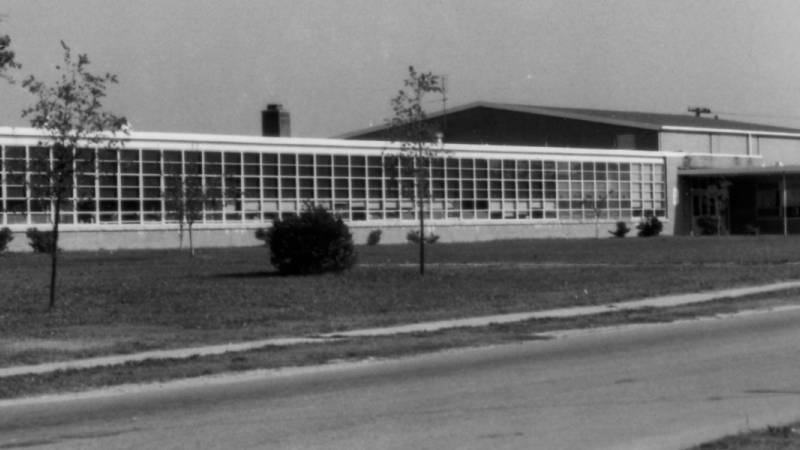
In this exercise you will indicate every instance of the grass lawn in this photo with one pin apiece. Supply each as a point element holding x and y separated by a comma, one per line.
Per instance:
<point>127,301</point>
<point>356,349</point>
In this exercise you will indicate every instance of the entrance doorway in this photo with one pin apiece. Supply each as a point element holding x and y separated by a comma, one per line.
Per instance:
<point>709,213</point>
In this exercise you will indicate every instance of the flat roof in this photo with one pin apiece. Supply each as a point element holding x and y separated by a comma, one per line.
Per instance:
<point>740,171</point>
<point>206,142</point>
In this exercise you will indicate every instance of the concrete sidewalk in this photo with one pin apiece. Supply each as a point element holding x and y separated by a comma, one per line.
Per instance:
<point>655,302</point>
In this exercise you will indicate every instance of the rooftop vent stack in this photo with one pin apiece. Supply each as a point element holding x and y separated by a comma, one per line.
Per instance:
<point>275,122</point>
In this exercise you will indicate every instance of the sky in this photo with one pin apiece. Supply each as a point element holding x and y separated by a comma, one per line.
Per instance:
<point>211,66</point>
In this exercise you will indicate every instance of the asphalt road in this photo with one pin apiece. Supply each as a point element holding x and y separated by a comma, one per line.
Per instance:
<point>659,387</point>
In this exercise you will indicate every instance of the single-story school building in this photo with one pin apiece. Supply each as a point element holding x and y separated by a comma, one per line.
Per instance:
<point>511,171</point>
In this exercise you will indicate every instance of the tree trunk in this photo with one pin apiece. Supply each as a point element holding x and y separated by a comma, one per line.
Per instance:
<point>597,225</point>
<point>421,238</point>
<point>54,255</point>
<point>191,244</point>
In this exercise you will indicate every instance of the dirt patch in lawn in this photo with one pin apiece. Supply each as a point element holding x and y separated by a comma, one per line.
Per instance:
<point>77,342</point>
<point>27,351</point>
<point>68,343</point>
<point>7,346</point>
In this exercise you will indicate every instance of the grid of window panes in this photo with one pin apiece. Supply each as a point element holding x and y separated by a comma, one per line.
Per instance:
<point>12,191</point>
<point>127,186</point>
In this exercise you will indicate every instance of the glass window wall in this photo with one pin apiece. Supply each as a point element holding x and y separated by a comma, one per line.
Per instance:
<point>126,187</point>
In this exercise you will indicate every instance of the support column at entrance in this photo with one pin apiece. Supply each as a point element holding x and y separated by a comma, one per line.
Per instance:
<point>783,206</point>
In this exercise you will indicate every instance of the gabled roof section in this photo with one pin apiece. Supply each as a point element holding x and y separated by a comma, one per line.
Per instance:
<point>652,121</point>
<point>647,121</point>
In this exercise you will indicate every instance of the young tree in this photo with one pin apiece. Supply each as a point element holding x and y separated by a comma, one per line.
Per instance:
<point>419,145</point>
<point>186,197</point>
<point>597,205</point>
<point>718,194</point>
<point>75,127</point>
<point>7,58</point>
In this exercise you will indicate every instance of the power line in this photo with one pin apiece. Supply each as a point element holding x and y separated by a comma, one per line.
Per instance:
<point>769,116</point>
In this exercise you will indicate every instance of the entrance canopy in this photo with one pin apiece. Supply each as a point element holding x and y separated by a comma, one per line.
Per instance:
<point>756,199</point>
<point>741,171</point>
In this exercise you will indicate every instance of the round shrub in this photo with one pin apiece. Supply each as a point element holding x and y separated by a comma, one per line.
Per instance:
<point>315,241</point>
<point>374,237</point>
<point>6,236</point>
<point>413,237</point>
<point>649,226</point>
<point>709,226</point>
<point>621,230</point>
<point>263,235</point>
<point>41,241</point>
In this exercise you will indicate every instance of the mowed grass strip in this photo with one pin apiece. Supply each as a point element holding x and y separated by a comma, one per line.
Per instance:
<point>128,301</point>
<point>632,250</point>
<point>357,349</point>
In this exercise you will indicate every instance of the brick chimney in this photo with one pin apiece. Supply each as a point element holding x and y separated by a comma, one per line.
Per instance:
<point>275,122</point>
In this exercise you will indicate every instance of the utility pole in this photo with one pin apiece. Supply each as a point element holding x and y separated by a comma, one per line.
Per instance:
<point>698,111</point>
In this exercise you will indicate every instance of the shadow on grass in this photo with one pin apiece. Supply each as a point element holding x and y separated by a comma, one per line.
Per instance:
<point>272,274</point>
<point>771,391</point>
<point>258,274</point>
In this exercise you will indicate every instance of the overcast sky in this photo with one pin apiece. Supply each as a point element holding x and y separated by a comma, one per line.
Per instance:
<point>211,66</point>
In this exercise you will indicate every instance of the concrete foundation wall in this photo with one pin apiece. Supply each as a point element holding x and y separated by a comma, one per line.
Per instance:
<point>142,239</point>
<point>391,234</point>
<point>474,233</point>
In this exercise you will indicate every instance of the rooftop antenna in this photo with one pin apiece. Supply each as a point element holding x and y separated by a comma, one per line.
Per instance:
<point>697,111</point>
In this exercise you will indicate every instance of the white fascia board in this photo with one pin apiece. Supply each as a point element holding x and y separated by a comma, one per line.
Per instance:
<point>20,136</point>
<point>724,131</point>
<point>180,140</point>
<point>520,152</point>
<point>724,155</point>
<point>206,142</point>
<point>553,153</point>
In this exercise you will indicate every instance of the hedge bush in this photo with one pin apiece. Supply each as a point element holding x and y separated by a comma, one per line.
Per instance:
<point>315,241</point>
<point>374,237</point>
<point>413,237</point>
<point>621,230</point>
<point>709,226</point>
<point>649,226</point>
<point>40,241</point>
<point>263,235</point>
<point>6,236</point>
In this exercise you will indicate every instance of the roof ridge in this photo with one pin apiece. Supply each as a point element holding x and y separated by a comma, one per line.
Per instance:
<point>635,119</point>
